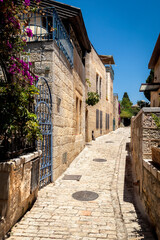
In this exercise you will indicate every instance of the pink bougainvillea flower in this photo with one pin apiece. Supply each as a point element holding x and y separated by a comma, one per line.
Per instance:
<point>36,77</point>
<point>29,32</point>
<point>1,0</point>
<point>26,2</point>
<point>9,45</point>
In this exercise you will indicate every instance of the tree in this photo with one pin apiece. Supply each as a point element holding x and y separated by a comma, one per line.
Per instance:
<point>142,104</point>
<point>125,103</point>
<point>126,110</point>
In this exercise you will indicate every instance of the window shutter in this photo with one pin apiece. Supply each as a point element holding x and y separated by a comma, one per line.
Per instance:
<point>97,118</point>
<point>100,119</point>
<point>106,121</point>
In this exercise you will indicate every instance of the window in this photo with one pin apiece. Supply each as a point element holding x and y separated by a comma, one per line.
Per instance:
<point>100,83</point>
<point>78,116</point>
<point>106,121</point>
<point>100,119</point>
<point>97,118</point>
<point>97,83</point>
<point>107,89</point>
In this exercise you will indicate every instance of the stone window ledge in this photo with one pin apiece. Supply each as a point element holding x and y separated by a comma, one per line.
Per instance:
<point>148,164</point>
<point>6,166</point>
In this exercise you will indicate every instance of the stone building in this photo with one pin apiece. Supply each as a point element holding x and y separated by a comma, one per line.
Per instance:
<point>154,87</point>
<point>155,64</point>
<point>57,49</point>
<point>62,55</point>
<point>99,118</point>
<point>115,112</point>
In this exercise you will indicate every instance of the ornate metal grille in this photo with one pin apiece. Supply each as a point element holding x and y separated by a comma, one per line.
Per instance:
<point>43,111</point>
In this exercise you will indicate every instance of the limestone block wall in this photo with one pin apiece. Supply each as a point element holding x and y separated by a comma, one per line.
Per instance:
<point>144,136</point>
<point>151,193</point>
<point>116,110</point>
<point>93,67</point>
<point>66,84</point>
<point>19,180</point>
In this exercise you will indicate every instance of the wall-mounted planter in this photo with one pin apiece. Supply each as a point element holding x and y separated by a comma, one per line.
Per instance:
<point>156,155</point>
<point>19,180</point>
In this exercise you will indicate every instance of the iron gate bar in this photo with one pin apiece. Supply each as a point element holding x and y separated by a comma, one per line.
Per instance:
<point>43,111</point>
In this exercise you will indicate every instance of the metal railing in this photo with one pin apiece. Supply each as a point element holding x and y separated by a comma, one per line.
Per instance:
<point>46,25</point>
<point>110,69</point>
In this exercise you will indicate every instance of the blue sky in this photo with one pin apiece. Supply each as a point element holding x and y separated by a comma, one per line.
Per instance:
<point>128,30</point>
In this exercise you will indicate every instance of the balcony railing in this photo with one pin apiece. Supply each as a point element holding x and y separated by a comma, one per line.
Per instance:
<point>46,25</point>
<point>110,69</point>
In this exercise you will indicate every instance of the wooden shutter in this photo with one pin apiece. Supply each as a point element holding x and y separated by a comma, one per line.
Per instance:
<point>100,119</point>
<point>97,118</point>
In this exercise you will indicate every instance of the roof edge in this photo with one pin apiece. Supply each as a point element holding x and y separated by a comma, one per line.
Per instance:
<point>155,54</point>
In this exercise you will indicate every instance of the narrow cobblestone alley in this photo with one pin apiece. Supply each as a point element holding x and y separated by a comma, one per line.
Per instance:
<point>112,215</point>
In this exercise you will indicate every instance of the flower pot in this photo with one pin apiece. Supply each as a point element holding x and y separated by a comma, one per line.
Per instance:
<point>156,155</point>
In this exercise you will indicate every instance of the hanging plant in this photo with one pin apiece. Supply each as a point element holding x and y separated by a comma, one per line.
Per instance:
<point>93,98</point>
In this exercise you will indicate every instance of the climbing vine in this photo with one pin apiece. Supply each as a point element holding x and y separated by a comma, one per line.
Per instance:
<point>17,83</point>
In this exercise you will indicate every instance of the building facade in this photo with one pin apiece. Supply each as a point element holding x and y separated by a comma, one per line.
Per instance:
<point>63,58</point>
<point>155,64</point>
<point>116,115</point>
<point>99,118</point>
<point>154,87</point>
<point>58,58</point>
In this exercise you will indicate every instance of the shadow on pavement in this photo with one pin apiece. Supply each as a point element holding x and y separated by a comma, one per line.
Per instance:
<point>145,230</point>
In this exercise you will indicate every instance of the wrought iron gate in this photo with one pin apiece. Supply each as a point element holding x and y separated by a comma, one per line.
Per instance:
<point>43,111</point>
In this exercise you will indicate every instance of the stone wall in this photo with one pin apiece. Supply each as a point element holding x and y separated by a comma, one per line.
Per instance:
<point>116,110</point>
<point>19,180</point>
<point>144,136</point>
<point>151,193</point>
<point>66,85</point>
<point>93,67</point>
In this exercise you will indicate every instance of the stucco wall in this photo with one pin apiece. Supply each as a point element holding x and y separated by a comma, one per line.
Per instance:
<point>19,180</point>
<point>95,66</point>
<point>65,83</point>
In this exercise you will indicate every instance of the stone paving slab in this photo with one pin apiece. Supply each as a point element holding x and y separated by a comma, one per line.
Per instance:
<point>57,215</point>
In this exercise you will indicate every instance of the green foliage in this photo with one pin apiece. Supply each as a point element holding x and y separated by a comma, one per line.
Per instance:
<point>150,79</point>
<point>88,82</point>
<point>142,104</point>
<point>93,98</point>
<point>126,109</point>
<point>127,113</point>
<point>156,119</point>
<point>135,110</point>
<point>15,115</point>
<point>17,90</point>
<point>125,103</point>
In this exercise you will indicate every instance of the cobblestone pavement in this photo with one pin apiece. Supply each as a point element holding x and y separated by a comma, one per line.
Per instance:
<point>57,215</point>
